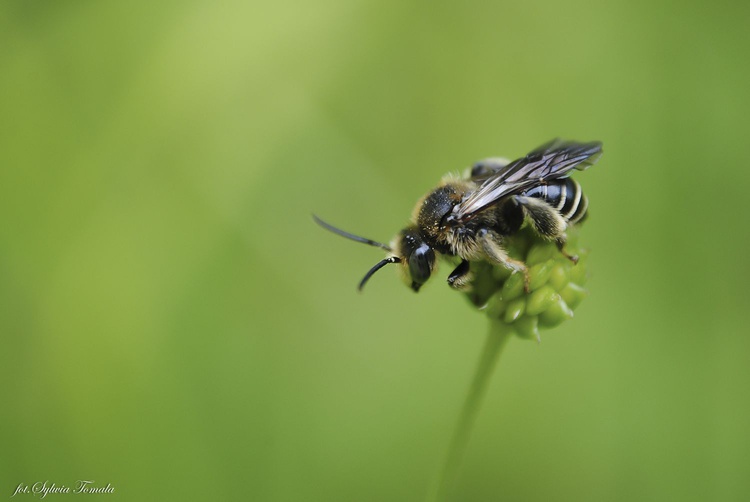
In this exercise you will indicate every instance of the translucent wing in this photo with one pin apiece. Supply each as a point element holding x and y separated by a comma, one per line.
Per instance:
<point>550,161</point>
<point>484,169</point>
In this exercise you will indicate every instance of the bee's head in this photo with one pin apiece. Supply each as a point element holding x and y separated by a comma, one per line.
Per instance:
<point>411,250</point>
<point>418,257</point>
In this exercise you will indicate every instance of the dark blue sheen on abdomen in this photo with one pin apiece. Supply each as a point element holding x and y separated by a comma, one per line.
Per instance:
<point>564,196</point>
<point>550,193</point>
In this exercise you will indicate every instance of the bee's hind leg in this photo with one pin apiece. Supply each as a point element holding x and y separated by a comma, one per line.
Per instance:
<point>494,251</point>
<point>547,221</point>
<point>461,276</point>
<point>561,246</point>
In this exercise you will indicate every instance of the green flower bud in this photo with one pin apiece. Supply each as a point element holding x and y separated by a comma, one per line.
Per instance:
<point>540,300</point>
<point>496,307</point>
<point>554,288</point>
<point>513,287</point>
<point>514,310</point>
<point>541,253</point>
<point>573,294</point>
<point>540,274</point>
<point>559,276</point>
<point>527,327</point>
<point>555,314</point>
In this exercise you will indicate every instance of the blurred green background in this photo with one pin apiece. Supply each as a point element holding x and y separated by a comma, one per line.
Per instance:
<point>173,322</point>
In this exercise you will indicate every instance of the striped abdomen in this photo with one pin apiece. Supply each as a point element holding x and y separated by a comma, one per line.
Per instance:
<point>565,196</point>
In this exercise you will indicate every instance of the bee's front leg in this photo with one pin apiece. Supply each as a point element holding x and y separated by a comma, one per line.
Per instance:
<point>490,242</point>
<point>461,276</point>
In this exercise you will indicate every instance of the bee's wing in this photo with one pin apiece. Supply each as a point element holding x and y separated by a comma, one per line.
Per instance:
<point>553,160</point>
<point>485,169</point>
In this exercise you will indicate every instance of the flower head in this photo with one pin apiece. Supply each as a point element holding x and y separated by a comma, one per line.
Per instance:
<point>555,286</point>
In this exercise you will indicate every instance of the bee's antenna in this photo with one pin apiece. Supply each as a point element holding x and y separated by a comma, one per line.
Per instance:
<point>353,237</point>
<point>380,264</point>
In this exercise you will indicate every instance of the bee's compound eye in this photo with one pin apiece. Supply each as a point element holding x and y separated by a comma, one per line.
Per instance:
<point>420,263</point>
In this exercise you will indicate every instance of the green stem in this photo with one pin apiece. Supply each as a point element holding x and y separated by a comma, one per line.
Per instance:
<point>496,338</point>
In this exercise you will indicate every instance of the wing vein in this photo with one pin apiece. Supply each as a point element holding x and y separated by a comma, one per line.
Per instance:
<point>551,161</point>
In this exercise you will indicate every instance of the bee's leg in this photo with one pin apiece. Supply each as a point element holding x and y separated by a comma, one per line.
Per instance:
<point>547,221</point>
<point>561,246</point>
<point>461,276</point>
<point>494,251</point>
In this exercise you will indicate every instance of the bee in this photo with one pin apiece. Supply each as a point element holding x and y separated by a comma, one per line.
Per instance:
<point>472,216</point>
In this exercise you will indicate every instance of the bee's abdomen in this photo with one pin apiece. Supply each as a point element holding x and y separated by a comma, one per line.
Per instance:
<point>565,196</point>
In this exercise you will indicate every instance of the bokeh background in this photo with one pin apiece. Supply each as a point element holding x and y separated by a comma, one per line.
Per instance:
<point>173,322</point>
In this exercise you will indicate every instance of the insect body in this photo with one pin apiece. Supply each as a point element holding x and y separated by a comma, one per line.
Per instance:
<point>470,217</point>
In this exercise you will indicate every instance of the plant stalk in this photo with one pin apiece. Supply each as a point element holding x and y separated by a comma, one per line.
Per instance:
<point>496,337</point>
